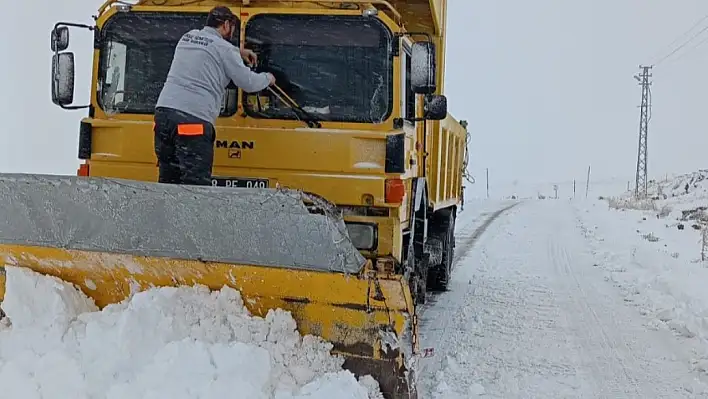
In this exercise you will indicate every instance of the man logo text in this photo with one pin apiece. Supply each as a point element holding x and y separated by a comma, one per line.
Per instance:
<point>235,144</point>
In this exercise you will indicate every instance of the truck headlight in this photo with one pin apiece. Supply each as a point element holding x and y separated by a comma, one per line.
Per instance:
<point>363,235</point>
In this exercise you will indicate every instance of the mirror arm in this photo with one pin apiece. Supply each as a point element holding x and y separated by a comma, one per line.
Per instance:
<point>58,24</point>
<point>83,26</point>
<point>73,107</point>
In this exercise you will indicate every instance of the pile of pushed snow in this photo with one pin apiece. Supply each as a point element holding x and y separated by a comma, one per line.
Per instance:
<point>682,198</point>
<point>184,342</point>
<point>683,186</point>
<point>680,185</point>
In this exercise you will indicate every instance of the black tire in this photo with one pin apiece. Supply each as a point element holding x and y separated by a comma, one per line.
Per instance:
<point>414,259</point>
<point>423,284</point>
<point>439,275</point>
<point>419,284</point>
<point>421,219</point>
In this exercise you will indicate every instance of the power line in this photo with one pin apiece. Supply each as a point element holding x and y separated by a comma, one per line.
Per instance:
<point>686,32</point>
<point>692,49</point>
<point>705,28</point>
<point>681,46</point>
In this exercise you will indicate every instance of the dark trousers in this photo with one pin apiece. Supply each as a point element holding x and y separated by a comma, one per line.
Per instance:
<point>184,146</point>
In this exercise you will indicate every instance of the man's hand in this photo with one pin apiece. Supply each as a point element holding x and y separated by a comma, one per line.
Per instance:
<point>249,56</point>
<point>271,78</point>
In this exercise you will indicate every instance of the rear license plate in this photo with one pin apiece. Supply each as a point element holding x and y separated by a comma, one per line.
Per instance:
<point>239,182</point>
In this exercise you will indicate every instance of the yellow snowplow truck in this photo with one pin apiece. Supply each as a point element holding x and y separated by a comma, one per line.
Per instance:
<point>338,206</point>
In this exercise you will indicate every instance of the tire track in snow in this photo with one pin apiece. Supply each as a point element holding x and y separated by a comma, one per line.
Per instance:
<point>625,356</point>
<point>462,250</point>
<point>435,311</point>
<point>464,247</point>
<point>592,331</point>
<point>529,317</point>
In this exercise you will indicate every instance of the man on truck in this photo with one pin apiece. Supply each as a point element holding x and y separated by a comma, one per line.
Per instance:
<point>204,63</point>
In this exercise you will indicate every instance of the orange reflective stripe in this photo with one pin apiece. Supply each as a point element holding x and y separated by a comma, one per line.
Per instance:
<point>193,129</point>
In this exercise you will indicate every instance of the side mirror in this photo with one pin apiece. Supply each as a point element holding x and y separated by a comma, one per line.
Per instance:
<point>435,108</point>
<point>60,38</point>
<point>423,68</point>
<point>63,79</point>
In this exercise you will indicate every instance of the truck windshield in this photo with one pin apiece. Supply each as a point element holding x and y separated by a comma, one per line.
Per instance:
<point>136,54</point>
<point>337,68</point>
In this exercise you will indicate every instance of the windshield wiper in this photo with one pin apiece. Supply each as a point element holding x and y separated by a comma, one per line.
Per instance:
<point>310,119</point>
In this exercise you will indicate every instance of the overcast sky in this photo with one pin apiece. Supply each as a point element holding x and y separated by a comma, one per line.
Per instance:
<point>546,86</point>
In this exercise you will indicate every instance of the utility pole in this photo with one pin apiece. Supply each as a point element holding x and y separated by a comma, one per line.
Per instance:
<point>587,183</point>
<point>487,183</point>
<point>640,190</point>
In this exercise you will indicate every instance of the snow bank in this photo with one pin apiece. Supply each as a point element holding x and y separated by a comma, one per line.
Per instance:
<point>682,197</point>
<point>674,216</point>
<point>694,184</point>
<point>182,342</point>
<point>656,252</point>
<point>657,267</point>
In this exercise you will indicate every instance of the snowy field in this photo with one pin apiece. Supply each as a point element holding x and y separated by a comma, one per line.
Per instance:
<point>596,298</point>
<point>566,189</point>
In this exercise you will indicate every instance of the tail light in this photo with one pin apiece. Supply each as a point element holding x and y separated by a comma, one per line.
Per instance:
<point>395,190</point>
<point>83,170</point>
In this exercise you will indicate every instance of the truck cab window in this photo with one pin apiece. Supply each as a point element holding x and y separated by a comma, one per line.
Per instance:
<point>136,54</point>
<point>114,83</point>
<point>338,68</point>
<point>408,96</point>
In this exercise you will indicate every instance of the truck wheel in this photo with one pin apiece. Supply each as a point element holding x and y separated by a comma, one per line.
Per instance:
<point>419,283</point>
<point>449,254</point>
<point>439,275</point>
<point>423,283</point>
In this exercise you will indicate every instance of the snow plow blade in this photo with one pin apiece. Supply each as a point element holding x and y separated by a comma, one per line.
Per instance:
<point>281,249</point>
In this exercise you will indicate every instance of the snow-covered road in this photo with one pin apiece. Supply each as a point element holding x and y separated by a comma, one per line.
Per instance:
<point>529,314</point>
